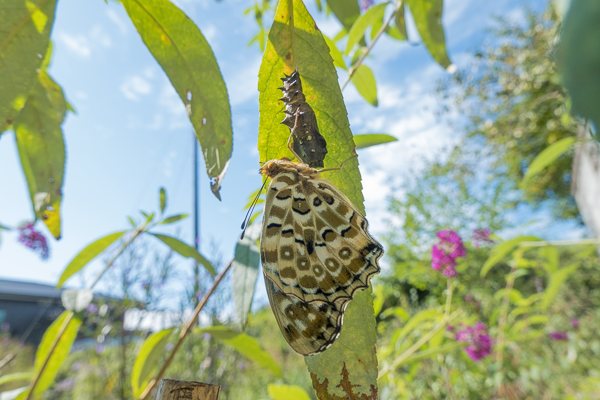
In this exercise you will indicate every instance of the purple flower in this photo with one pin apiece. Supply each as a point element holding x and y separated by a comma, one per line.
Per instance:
<point>481,236</point>
<point>575,323</point>
<point>558,335</point>
<point>365,4</point>
<point>478,339</point>
<point>34,240</point>
<point>445,252</point>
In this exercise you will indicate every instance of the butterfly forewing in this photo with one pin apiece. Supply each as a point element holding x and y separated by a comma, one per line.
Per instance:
<point>316,252</point>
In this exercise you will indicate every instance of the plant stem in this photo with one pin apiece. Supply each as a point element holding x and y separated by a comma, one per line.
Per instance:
<point>363,56</point>
<point>510,282</point>
<point>184,332</point>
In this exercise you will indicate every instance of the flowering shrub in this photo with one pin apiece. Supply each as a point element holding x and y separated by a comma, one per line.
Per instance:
<point>34,240</point>
<point>478,339</point>
<point>445,252</point>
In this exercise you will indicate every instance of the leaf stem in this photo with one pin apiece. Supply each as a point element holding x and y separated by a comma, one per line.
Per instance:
<point>363,56</point>
<point>185,331</point>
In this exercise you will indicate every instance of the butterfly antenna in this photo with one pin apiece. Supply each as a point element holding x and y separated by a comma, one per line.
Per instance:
<point>250,209</point>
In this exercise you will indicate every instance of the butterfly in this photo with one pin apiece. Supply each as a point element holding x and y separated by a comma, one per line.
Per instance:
<point>316,253</point>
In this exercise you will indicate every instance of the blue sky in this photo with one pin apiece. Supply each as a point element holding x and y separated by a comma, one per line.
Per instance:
<point>130,134</point>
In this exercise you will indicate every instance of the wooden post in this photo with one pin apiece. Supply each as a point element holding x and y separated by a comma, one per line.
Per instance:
<point>170,389</point>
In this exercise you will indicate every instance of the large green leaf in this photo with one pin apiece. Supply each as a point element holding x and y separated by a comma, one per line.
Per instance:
<point>244,276</point>
<point>557,278</point>
<point>86,255</point>
<point>296,43</point>
<point>41,149</point>
<point>346,11</point>
<point>147,360</point>
<point>24,38</point>
<point>501,250</point>
<point>580,58</point>
<point>363,140</point>
<point>428,19</point>
<point>548,156</point>
<point>287,392</point>
<point>189,62</point>
<point>185,250</point>
<point>52,351</point>
<point>16,377</point>
<point>246,345</point>
<point>364,82</point>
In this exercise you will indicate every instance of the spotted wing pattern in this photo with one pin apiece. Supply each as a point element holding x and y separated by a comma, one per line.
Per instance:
<point>316,253</point>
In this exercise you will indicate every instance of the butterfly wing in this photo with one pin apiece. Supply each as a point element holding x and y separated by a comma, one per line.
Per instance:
<point>316,253</point>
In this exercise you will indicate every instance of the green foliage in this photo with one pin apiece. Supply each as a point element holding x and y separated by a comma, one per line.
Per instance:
<point>185,250</point>
<point>362,140</point>
<point>364,82</point>
<point>287,392</point>
<point>513,98</point>
<point>246,261</point>
<point>428,19</point>
<point>548,156</point>
<point>188,60</point>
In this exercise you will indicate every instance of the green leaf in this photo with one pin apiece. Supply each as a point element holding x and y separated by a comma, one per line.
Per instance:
<point>362,23</point>
<point>41,149</point>
<point>246,345</point>
<point>297,43</point>
<point>287,392</point>
<point>86,255</point>
<point>579,58</point>
<point>363,140</point>
<point>364,82</point>
<point>24,38</point>
<point>400,21</point>
<point>346,11</point>
<point>503,249</point>
<point>428,19</point>
<point>173,218</point>
<point>162,199</point>
<point>61,332</point>
<point>16,377</point>
<point>548,156</point>
<point>244,276</point>
<point>185,250</point>
<point>557,279</point>
<point>335,53</point>
<point>147,360</point>
<point>190,64</point>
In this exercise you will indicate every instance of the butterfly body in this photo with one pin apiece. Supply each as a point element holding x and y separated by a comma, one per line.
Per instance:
<point>316,253</point>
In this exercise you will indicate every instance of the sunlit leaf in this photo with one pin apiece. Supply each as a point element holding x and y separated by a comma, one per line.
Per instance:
<point>162,199</point>
<point>171,219</point>
<point>557,279</point>
<point>364,82</point>
<point>24,38</point>
<point>190,64</point>
<point>16,377</point>
<point>53,351</point>
<point>297,43</point>
<point>185,250</point>
<point>336,54</point>
<point>362,23</point>
<point>503,249</point>
<point>86,255</point>
<point>428,19</point>
<point>400,21</point>
<point>548,156</point>
<point>41,149</point>
<point>147,359</point>
<point>246,345</point>
<point>363,140</point>
<point>287,392</point>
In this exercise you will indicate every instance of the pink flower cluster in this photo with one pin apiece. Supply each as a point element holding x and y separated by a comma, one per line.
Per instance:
<point>482,236</point>
<point>34,240</point>
<point>478,339</point>
<point>365,4</point>
<point>445,252</point>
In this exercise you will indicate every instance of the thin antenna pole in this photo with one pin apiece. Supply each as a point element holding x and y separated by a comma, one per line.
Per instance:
<point>196,217</point>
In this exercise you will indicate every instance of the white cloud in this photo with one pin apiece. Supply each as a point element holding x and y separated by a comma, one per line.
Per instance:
<point>77,44</point>
<point>135,87</point>
<point>98,35</point>
<point>117,20</point>
<point>242,86</point>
